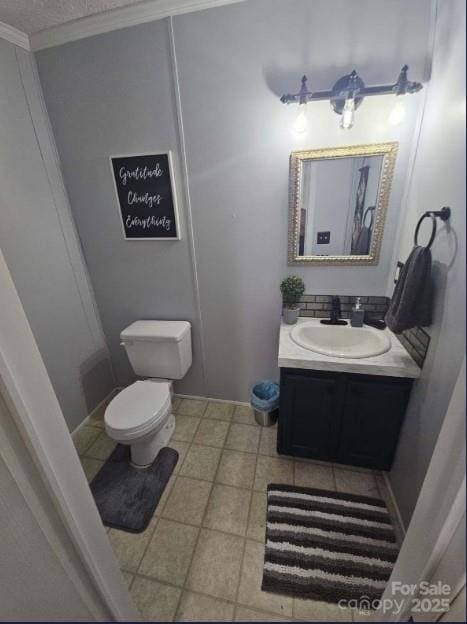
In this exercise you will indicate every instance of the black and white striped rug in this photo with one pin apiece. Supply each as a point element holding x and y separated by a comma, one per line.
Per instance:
<point>327,545</point>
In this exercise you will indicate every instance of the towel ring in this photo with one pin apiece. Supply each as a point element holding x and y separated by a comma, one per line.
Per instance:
<point>443,214</point>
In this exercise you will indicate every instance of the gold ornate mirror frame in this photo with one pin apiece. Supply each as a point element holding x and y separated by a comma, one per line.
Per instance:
<point>297,159</point>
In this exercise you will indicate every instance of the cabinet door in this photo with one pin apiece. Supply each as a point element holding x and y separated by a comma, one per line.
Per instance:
<point>309,415</point>
<point>372,417</point>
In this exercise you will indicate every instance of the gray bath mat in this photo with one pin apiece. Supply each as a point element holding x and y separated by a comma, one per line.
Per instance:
<point>126,497</point>
<point>326,545</point>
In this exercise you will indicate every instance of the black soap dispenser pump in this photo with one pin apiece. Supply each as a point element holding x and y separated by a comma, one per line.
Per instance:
<point>358,313</point>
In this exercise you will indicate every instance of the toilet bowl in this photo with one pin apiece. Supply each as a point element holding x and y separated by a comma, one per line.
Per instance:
<point>140,415</point>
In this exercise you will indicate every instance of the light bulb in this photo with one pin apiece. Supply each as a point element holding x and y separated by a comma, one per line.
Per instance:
<point>396,116</point>
<point>301,123</point>
<point>348,116</point>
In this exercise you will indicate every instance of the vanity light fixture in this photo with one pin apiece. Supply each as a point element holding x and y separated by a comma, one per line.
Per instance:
<point>347,95</point>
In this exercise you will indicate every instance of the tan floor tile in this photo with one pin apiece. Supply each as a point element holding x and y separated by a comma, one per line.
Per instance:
<point>185,428</point>
<point>156,602</point>
<point>228,509</point>
<point>242,614</point>
<point>169,553</point>
<point>187,501</point>
<point>361,483</point>
<point>128,577</point>
<point>201,462</point>
<point>129,547</point>
<point>250,592</point>
<point>165,495</point>
<point>212,432</point>
<point>316,611</point>
<point>314,475</point>
<point>176,402</point>
<point>84,437</point>
<point>257,520</point>
<point>306,460</point>
<point>102,447</point>
<point>243,414</point>
<point>272,470</point>
<point>181,448</point>
<point>198,608</point>
<point>219,411</point>
<point>216,564</point>
<point>243,438</point>
<point>352,468</point>
<point>191,407</point>
<point>237,469</point>
<point>268,441</point>
<point>91,467</point>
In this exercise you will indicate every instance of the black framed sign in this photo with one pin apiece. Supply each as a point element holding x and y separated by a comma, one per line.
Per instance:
<point>146,196</point>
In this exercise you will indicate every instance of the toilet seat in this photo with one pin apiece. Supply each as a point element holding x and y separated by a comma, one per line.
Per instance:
<point>141,408</point>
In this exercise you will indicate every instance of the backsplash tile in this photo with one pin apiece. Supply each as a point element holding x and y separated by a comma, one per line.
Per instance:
<point>416,342</point>
<point>319,306</point>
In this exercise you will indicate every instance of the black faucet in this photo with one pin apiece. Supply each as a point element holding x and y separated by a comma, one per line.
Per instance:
<point>335,313</point>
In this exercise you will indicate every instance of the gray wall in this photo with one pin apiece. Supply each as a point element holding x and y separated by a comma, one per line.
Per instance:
<point>39,242</point>
<point>438,180</point>
<point>331,206</point>
<point>114,94</point>
<point>234,62</point>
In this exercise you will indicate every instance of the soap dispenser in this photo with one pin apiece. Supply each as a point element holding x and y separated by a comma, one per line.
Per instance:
<point>358,313</point>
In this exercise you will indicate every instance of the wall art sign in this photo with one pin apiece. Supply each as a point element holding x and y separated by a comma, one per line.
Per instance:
<point>146,196</point>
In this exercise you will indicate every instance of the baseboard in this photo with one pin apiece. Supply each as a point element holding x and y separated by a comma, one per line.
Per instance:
<point>201,398</point>
<point>98,407</point>
<point>180,396</point>
<point>394,502</point>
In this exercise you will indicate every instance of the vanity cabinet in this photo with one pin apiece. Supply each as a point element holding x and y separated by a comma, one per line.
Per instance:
<point>341,417</point>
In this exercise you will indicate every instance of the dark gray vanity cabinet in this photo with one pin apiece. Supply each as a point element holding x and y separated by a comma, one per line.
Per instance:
<point>341,417</point>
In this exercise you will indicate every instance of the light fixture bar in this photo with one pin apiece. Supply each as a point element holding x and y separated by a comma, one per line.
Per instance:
<point>352,85</point>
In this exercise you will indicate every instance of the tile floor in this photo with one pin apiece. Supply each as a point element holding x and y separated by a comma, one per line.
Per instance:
<point>201,556</point>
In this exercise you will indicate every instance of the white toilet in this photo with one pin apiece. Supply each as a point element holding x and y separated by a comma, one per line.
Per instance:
<point>140,415</point>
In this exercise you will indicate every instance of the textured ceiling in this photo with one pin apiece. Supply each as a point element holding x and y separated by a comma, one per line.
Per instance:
<point>31,16</point>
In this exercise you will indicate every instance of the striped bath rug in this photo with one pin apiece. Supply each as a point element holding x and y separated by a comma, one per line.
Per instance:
<point>327,545</point>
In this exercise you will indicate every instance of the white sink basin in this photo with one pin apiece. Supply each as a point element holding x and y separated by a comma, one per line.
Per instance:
<point>340,341</point>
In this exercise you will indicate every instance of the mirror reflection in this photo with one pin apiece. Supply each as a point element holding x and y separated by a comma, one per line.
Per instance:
<point>338,201</point>
<point>338,206</point>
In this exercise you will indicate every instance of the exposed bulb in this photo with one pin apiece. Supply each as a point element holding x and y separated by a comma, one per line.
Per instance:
<point>348,114</point>
<point>301,122</point>
<point>396,116</point>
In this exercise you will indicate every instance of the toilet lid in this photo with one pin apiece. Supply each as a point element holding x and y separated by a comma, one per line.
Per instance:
<point>138,406</point>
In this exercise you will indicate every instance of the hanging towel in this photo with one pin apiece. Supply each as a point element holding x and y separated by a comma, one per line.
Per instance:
<point>411,303</point>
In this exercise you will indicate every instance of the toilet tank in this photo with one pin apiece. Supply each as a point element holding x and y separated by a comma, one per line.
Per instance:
<point>159,349</point>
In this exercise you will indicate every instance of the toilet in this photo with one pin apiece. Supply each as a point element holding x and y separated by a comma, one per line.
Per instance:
<point>141,415</point>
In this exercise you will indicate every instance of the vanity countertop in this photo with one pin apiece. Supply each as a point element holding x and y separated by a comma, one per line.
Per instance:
<point>394,363</point>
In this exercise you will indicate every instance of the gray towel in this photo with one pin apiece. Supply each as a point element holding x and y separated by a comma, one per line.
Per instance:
<point>411,303</point>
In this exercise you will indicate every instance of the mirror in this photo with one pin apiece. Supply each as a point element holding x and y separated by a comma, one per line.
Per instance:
<point>338,201</point>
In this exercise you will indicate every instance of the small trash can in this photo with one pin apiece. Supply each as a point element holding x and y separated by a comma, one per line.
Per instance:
<point>264,399</point>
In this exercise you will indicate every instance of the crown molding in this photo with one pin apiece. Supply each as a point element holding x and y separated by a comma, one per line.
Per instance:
<point>118,18</point>
<point>13,35</point>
